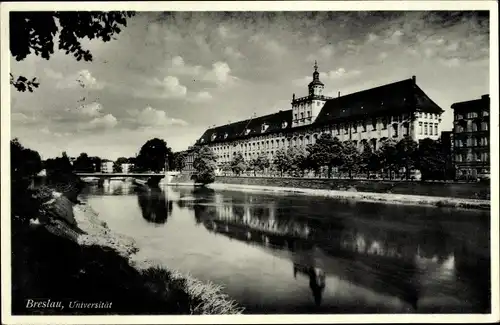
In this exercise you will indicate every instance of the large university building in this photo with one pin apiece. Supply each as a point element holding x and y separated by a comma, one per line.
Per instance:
<point>390,111</point>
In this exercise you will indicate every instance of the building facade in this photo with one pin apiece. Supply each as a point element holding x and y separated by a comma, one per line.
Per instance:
<point>188,159</point>
<point>391,111</point>
<point>471,137</point>
<point>106,166</point>
<point>126,167</point>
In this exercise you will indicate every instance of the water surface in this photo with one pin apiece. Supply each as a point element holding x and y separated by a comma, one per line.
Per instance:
<point>299,254</point>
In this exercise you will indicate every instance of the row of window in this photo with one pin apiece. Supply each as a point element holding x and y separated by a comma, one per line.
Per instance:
<point>270,144</point>
<point>359,145</point>
<point>459,116</point>
<point>256,147</point>
<point>427,128</point>
<point>432,116</point>
<point>476,156</point>
<point>471,127</point>
<point>295,116</point>
<point>471,142</point>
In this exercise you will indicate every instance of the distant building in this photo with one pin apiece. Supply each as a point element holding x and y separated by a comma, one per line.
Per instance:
<point>390,111</point>
<point>189,158</point>
<point>471,137</point>
<point>126,167</point>
<point>106,166</point>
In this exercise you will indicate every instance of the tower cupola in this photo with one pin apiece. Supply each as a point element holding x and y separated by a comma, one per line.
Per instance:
<point>316,86</point>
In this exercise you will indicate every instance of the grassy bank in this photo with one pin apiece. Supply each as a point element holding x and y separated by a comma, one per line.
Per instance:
<point>88,263</point>
<point>364,196</point>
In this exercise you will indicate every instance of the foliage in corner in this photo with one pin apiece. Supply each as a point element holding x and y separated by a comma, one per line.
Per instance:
<point>35,33</point>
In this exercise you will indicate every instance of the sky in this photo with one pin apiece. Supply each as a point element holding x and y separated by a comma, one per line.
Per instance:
<point>172,75</point>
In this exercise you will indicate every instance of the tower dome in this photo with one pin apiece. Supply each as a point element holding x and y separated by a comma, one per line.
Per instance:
<point>316,86</point>
<point>316,80</point>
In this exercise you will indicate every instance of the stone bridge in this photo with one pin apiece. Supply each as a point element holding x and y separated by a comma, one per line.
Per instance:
<point>153,179</point>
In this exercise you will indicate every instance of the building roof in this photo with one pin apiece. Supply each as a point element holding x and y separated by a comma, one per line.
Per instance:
<point>397,96</point>
<point>475,103</point>
<point>272,123</point>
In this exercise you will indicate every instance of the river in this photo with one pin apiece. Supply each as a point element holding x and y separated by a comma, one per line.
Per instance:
<point>282,253</point>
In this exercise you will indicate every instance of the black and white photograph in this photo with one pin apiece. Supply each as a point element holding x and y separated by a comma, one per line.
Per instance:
<point>333,161</point>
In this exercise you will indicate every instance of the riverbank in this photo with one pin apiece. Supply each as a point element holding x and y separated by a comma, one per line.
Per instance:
<point>66,253</point>
<point>434,201</point>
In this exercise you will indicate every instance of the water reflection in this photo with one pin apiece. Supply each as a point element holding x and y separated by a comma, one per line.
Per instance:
<point>154,206</point>
<point>407,262</point>
<point>296,254</point>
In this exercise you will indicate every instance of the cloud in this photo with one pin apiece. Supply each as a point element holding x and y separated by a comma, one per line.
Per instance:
<point>201,96</point>
<point>93,109</point>
<point>394,37</point>
<point>151,117</point>
<point>324,52</point>
<point>107,121</point>
<point>168,87</point>
<point>331,75</point>
<point>372,37</point>
<point>81,79</point>
<point>226,32</point>
<point>451,62</point>
<point>382,56</point>
<point>428,52</point>
<point>268,44</point>
<point>21,118</point>
<point>339,73</point>
<point>53,74</point>
<point>219,74</point>
<point>179,67</point>
<point>233,53</point>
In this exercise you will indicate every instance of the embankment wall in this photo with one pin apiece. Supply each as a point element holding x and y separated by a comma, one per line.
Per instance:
<point>478,190</point>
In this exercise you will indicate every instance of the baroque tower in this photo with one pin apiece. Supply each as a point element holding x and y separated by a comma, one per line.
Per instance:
<point>306,109</point>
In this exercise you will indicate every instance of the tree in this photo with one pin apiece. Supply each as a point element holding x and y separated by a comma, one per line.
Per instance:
<point>179,161</point>
<point>34,33</point>
<point>204,164</point>
<point>24,162</point>
<point>369,160</point>
<point>297,161</point>
<point>325,152</point>
<point>351,157</point>
<point>259,163</point>
<point>238,164</point>
<point>83,163</point>
<point>153,155</point>
<point>388,154</point>
<point>281,161</point>
<point>431,159</point>
<point>406,154</point>
<point>117,168</point>
<point>96,163</point>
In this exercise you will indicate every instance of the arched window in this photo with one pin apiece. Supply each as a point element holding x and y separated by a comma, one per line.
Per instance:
<point>484,126</point>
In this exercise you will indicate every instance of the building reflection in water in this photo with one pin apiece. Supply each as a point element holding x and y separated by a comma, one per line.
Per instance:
<point>155,207</point>
<point>118,186</point>
<point>385,259</point>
